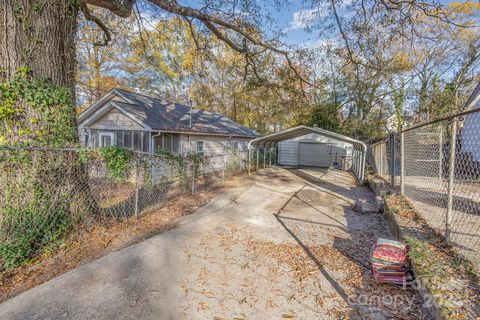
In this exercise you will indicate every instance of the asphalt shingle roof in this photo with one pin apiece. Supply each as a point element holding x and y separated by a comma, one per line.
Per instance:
<point>159,115</point>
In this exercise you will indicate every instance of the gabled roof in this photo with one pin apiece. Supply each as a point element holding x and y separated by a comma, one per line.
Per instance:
<point>160,115</point>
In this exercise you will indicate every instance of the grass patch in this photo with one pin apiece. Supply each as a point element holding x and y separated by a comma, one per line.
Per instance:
<point>448,276</point>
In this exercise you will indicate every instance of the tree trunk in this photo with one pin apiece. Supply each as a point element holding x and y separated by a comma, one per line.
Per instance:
<point>39,35</point>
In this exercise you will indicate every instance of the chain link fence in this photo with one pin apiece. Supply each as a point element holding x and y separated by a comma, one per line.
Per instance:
<point>384,158</point>
<point>45,191</point>
<point>438,170</point>
<point>116,187</point>
<point>441,177</point>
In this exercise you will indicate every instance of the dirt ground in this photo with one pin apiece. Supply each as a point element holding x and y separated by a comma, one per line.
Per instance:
<point>288,244</point>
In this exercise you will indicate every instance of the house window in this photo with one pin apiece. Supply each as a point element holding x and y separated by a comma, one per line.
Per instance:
<point>106,139</point>
<point>200,149</point>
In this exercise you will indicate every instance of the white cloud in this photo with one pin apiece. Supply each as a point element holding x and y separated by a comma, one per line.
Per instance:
<point>304,18</point>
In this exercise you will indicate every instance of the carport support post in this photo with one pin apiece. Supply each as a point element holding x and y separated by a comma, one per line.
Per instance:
<point>264,158</point>
<point>275,155</point>
<point>402,163</point>
<point>270,157</point>
<point>362,166</point>
<point>258,155</point>
<point>451,176</point>
<point>354,160</point>
<point>249,159</point>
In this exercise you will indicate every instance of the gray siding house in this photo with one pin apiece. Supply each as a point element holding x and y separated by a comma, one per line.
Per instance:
<point>470,127</point>
<point>147,124</point>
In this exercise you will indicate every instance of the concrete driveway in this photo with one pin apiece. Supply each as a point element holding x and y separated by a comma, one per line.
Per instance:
<point>289,245</point>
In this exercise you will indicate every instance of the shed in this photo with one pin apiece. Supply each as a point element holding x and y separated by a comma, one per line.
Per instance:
<point>311,146</point>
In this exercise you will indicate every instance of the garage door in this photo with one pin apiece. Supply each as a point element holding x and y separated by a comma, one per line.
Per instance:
<point>314,154</point>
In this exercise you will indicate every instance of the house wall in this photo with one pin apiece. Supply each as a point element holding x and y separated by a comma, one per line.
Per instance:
<point>213,145</point>
<point>115,120</point>
<point>470,132</point>
<point>288,150</point>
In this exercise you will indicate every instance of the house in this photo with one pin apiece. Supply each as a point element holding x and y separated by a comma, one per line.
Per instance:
<point>470,126</point>
<point>148,124</point>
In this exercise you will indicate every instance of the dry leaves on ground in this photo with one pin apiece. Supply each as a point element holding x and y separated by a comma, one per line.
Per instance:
<point>92,241</point>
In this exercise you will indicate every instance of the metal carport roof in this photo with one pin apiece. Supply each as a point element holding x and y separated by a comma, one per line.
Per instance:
<point>359,147</point>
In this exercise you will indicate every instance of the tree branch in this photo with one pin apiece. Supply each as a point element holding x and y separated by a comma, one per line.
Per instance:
<point>90,17</point>
<point>122,8</point>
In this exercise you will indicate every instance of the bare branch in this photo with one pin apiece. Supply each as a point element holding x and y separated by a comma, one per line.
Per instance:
<point>90,17</point>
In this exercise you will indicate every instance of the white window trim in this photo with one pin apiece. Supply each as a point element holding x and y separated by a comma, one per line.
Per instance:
<point>203,147</point>
<point>106,133</point>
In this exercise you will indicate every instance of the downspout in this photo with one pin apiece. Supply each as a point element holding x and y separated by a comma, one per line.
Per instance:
<point>152,143</point>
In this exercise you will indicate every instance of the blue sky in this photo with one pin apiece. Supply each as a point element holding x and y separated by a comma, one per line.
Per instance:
<point>289,20</point>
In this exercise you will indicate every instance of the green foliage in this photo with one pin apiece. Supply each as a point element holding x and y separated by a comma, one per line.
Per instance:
<point>324,116</point>
<point>35,112</point>
<point>425,259</point>
<point>196,161</point>
<point>29,230</point>
<point>369,131</point>
<point>178,162</point>
<point>181,163</point>
<point>34,213</point>
<point>118,161</point>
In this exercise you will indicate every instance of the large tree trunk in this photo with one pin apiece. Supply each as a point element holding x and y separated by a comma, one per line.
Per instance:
<point>41,36</point>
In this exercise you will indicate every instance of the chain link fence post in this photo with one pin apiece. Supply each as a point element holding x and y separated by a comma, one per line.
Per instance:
<point>137,184</point>
<point>392,159</point>
<point>193,178</point>
<point>440,157</point>
<point>402,163</point>
<point>381,159</point>
<point>451,177</point>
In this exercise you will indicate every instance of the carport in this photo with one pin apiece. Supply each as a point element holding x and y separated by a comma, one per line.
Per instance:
<point>263,150</point>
